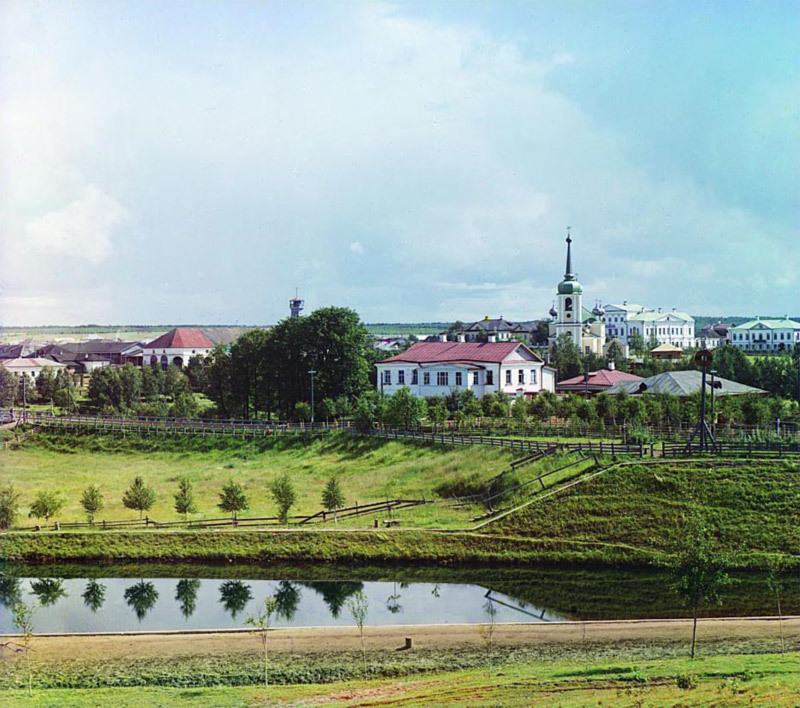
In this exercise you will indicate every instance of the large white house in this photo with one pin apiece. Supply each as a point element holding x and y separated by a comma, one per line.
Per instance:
<point>439,368</point>
<point>668,327</point>
<point>765,335</point>
<point>176,347</point>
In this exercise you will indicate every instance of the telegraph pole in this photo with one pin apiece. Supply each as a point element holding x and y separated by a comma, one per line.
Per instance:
<point>312,372</point>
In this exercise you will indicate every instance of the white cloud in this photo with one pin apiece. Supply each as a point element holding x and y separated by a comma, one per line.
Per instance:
<point>357,247</point>
<point>83,229</point>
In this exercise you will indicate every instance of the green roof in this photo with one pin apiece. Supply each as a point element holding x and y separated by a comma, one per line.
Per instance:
<point>785,323</point>
<point>652,316</point>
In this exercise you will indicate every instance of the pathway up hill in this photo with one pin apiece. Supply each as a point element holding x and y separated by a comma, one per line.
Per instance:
<point>752,507</point>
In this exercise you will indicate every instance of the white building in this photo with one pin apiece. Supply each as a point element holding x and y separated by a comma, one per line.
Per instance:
<point>439,368</point>
<point>30,366</point>
<point>584,327</point>
<point>669,327</point>
<point>765,335</point>
<point>176,347</point>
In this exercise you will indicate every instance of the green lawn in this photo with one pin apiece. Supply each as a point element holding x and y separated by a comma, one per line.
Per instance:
<point>721,681</point>
<point>369,470</point>
<point>753,507</point>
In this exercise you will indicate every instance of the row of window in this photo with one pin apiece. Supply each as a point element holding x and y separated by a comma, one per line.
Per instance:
<point>443,377</point>
<point>758,336</point>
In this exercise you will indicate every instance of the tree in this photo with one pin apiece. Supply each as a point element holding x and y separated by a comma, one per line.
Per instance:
<point>106,389</point>
<point>141,598</point>
<point>519,410</point>
<point>328,409</point>
<point>234,596</point>
<point>404,410</point>
<point>184,405</point>
<point>139,497</point>
<point>636,343</point>
<point>776,582</point>
<point>45,505</point>
<point>92,501</point>
<point>184,498</point>
<point>186,594</point>
<point>437,412</point>
<point>9,503</point>
<point>262,622</point>
<point>565,356</point>
<point>232,499</point>
<point>615,354</point>
<point>359,608</point>
<point>46,384</point>
<point>9,387</point>
<point>94,595</point>
<point>22,617</point>
<point>699,571</point>
<point>302,412</point>
<point>332,496</point>
<point>283,494</point>
<point>487,629</point>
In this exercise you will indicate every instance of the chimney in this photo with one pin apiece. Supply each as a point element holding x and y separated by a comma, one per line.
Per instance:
<point>611,366</point>
<point>442,337</point>
<point>461,338</point>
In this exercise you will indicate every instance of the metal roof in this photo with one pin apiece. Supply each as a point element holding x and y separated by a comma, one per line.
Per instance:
<point>682,383</point>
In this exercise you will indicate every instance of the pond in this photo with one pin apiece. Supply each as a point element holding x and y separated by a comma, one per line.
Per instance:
<point>123,598</point>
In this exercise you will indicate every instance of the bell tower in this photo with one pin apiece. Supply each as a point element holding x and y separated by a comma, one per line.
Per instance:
<point>569,303</point>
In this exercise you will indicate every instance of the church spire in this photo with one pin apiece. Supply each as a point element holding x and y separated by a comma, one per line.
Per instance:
<point>569,275</point>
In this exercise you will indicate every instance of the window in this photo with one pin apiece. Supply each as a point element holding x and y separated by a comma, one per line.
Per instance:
<point>508,376</point>
<point>387,378</point>
<point>459,379</point>
<point>401,377</point>
<point>568,304</point>
<point>426,378</point>
<point>489,378</point>
<point>414,377</point>
<point>533,376</point>
<point>442,378</point>
<point>476,378</point>
<point>521,376</point>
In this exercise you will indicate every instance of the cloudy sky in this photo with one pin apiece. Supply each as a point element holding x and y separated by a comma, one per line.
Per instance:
<point>195,162</point>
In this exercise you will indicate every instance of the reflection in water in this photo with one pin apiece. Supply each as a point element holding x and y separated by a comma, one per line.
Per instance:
<point>48,590</point>
<point>10,591</point>
<point>393,601</point>
<point>234,596</point>
<point>94,596</point>
<point>288,598</point>
<point>141,597</point>
<point>334,593</point>
<point>186,595</point>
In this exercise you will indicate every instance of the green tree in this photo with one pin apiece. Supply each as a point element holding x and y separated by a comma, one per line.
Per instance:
<point>92,501</point>
<point>519,410</point>
<point>302,412</point>
<point>283,495</point>
<point>139,497</point>
<point>105,389</point>
<point>615,354</point>
<point>566,357</point>
<point>332,495</point>
<point>636,343</point>
<point>184,405</point>
<point>184,498</point>
<point>262,622</point>
<point>359,609</point>
<point>46,384</point>
<point>130,380</point>
<point>328,409</point>
<point>186,594</point>
<point>48,590</point>
<point>94,595</point>
<point>9,504</point>
<point>404,410</point>
<point>10,385</point>
<point>699,573</point>
<point>45,505</point>
<point>232,499</point>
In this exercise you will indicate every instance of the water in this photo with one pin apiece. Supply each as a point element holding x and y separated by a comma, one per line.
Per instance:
<point>80,599</point>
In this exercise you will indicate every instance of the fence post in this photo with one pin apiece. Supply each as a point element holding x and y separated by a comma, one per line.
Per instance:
<point>146,521</point>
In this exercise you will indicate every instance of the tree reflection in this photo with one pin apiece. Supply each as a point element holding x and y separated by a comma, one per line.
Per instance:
<point>288,598</point>
<point>234,596</point>
<point>48,590</point>
<point>141,598</point>
<point>94,595</point>
<point>393,601</point>
<point>186,595</point>
<point>10,591</point>
<point>335,593</point>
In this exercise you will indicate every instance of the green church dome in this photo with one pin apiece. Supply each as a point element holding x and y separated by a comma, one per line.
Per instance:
<point>568,287</point>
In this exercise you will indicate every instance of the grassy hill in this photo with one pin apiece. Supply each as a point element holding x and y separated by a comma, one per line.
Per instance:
<point>753,507</point>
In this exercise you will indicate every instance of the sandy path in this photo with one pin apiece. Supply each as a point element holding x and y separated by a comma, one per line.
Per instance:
<point>313,640</point>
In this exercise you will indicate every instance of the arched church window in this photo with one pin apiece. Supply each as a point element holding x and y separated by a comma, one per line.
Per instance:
<point>568,304</point>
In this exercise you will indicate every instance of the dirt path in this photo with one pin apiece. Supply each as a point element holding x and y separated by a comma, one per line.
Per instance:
<point>313,640</point>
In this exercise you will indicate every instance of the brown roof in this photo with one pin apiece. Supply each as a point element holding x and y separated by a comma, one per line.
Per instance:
<point>181,338</point>
<point>604,377</point>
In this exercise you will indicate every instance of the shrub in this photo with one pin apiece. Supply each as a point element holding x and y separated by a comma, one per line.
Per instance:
<point>686,682</point>
<point>9,506</point>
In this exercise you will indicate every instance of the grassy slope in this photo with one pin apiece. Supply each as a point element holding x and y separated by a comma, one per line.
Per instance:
<point>739,680</point>
<point>369,470</point>
<point>754,508</point>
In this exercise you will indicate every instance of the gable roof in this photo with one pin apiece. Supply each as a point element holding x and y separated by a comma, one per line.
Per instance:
<point>784,323</point>
<point>453,352</point>
<point>25,363</point>
<point>666,349</point>
<point>653,316</point>
<point>604,377</point>
<point>682,383</point>
<point>496,325</point>
<point>181,338</point>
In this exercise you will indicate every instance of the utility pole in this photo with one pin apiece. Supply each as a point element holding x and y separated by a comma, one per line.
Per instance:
<point>713,373</point>
<point>24,397</point>
<point>312,372</point>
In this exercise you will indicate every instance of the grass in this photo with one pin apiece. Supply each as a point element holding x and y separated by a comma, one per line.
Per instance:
<point>626,678</point>
<point>753,508</point>
<point>369,470</point>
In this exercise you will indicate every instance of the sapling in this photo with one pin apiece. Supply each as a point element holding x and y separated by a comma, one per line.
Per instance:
<point>359,608</point>
<point>262,622</point>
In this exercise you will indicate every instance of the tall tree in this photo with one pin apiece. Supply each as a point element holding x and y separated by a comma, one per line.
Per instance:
<point>92,501</point>
<point>566,357</point>
<point>139,496</point>
<point>184,498</point>
<point>232,499</point>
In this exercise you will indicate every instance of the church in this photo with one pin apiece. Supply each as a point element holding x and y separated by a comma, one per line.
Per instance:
<point>585,327</point>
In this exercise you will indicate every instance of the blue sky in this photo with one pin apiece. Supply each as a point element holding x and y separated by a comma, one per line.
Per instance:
<point>195,162</point>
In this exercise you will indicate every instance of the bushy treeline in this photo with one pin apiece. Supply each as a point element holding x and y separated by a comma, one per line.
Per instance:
<point>267,372</point>
<point>148,390</point>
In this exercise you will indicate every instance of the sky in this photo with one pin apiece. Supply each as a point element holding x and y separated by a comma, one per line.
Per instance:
<point>195,162</point>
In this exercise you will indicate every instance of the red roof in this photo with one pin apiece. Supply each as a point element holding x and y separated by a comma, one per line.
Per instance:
<point>604,377</point>
<point>181,338</point>
<point>451,352</point>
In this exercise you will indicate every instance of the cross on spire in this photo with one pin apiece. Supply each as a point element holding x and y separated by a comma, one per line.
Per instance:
<point>568,274</point>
